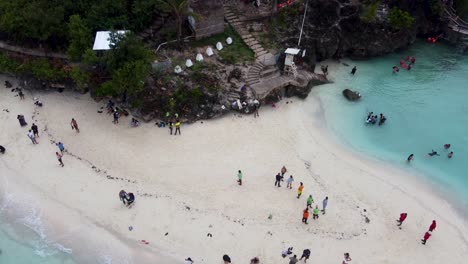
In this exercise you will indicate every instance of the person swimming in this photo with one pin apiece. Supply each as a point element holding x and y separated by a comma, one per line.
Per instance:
<point>446,146</point>
<point>410,158</point>
<point>382,119</point>
<point>433,153</point>
<point>450,155</point>
<point>395,69</point>
<point>353,70</point>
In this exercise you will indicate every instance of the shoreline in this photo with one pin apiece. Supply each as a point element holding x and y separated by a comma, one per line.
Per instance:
<point>173,173</point>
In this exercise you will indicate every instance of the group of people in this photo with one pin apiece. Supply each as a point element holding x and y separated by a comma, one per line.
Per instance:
<point>433,153</point>
<point>406,63</point>
<point>373,119</point>
<point>427,234</point>
<point>306,255</point>
<point>126,198</point>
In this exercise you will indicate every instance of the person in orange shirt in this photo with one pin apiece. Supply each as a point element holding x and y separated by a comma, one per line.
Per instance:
<point>305,215</point>
<point>299,190</point>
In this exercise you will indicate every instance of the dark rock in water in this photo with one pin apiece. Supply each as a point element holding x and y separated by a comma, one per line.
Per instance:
<point>351,95</point>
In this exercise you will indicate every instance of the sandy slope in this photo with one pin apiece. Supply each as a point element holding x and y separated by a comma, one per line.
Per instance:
<point>186,187</point>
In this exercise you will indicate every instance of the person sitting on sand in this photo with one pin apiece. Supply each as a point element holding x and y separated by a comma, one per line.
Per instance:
<point>226,259</point>
<point>188,260</point>
<point>134,122</point>
<point>293,259</point>
<point>255,260</point>
<point>38,103</point>
<point>433,153</point>
<point>2,149</point>
<point>305,255</point>
<point>287,252</point>
<point>130,199</point>
<point>450,155</point>
<point>346,259</point>
<point>446,146</point>
<point>123,196</point>
<point>410,158</point>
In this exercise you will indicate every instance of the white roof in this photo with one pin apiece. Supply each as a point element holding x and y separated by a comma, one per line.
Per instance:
<point>292,51</point>
<point>102,40</point>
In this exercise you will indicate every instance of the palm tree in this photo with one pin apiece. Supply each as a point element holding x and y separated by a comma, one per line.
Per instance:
<point>180,10</point>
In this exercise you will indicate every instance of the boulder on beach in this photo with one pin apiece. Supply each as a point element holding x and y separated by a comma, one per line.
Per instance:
<point>351,95</point>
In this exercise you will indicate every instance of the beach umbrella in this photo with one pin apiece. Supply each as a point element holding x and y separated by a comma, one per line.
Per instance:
<point>188,63</point>
<point>209,52</point>
<point>229,40</point>
<point>219,46</point>
<point>199,57</point>
<point>177,69</point>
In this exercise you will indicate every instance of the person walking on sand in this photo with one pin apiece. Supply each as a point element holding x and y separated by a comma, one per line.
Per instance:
<point>346,259</point>
<point>61,147</point>
<point>35,130</point>
<point>278,179</point>
<point>32,137</point>
<point>293,259</point>
<point>305,216</point>
<point>427,235</point>
<point>177,127</point>
<point>116,117</point>
<point>324,204</point>
<point>59,158</point>
<point>402,218</point>
<point>74,125</point>
<point>299,190</point>
<point>305,255</point>
<point>433,226</point>
<point>283,171</point>
<point>315,214</point>
<point>171,126</point>
<point>310,200</point>
<point>123,196</point>
<point>239,177</point>
<point>290,181</point>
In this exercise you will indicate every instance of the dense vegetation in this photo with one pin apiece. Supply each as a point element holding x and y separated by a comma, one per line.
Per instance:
<point>400,19</point>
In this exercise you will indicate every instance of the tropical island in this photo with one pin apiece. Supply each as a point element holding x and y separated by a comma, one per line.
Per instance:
<point>122,99</point>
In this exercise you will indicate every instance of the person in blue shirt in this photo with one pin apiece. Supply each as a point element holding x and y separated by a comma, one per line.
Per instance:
<point>61,147</point>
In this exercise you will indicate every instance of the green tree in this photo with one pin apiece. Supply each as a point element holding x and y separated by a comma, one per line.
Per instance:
<point>400,19</point>
<point>369,12</point>
<point>80,77</point>
<point>79,36</point>
<point>180,10</point>
<point>125,48</point>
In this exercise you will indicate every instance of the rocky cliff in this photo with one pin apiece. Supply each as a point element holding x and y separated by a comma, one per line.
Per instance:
<point>336,28</point>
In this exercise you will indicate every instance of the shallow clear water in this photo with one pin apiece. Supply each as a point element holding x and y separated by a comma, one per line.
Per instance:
<point>425,108</point>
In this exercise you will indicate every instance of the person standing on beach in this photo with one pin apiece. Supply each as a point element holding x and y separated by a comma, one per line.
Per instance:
<point>278,179</point>
<point>353,70</point>
<point>305,216</point>
<point>402,218</point>
<point>283,171</point>
<point>74,125</point>
<point>315,214</point>
<point>410,158</point>
<point>299,190</point>
<point>433,226</point>
<point>61,147</point>
<point>310,200</point>
<point>59,158</point>
<point>35,130</point>
<point>32,137</point>
<point>116,117</point>
<point>171,126</point>
<point>346,259</point>
<point>324,204</point>
<point>290,181</point>
<point>305,255</point>
<point>123,196</point>
<point>130,198</point>
<point>239,177</point>
<point>177,127</point>
<point>427,235</point>
<point>293,260</point>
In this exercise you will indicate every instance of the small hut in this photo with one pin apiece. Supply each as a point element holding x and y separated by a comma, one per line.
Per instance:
<point>289,65</point>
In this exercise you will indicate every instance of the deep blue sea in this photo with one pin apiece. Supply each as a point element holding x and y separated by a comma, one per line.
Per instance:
<point>425,107</point>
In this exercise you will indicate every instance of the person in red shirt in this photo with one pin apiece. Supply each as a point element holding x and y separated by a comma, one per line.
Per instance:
<point>433,226</point>
<point>402,218</point>
<point>305,215</point>
<point>426,237</point>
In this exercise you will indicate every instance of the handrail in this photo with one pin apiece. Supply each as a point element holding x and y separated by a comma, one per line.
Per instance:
<point>452,13</point>
<point>457,22</point>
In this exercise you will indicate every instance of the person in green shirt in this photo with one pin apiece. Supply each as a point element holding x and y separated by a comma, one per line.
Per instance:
<point>316,212</point>
<point>239,176</point>
<point>310,200</point>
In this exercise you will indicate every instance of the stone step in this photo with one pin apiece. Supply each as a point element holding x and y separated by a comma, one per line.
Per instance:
<point>258,67</point>
<point>251,41</point>
<point>260,53</point>
<point>255,46</point>
<point>243,36</point>
<point>253,81</point>
<point>259,50</point>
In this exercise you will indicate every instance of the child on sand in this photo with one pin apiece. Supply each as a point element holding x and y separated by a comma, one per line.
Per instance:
<point>305,216</point>
<point>59,158</point>
<point>433,226</point>
<point>74,125</point>
<point>324,204</point>
<point>402,218</point>
<point>61,147</point>
<point>427,235</point>
<point>316,212</point>
<point>283,170</point>
<point>299,190</point>
<point>290,181</point>
<point>239,176</point>
<point>310,200</point>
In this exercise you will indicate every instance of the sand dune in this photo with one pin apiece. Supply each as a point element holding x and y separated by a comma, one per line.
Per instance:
<point>186,186</point>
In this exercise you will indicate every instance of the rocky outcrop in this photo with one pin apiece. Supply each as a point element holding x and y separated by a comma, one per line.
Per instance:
<point>334,29</point>
<point>351,95</point>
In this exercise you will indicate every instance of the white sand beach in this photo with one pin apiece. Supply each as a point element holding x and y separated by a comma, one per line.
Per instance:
<point>186,186</point>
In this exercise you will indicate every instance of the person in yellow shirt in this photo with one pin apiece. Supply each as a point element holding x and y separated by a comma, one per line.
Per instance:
<point>299,190</point>
<point>177,127</point>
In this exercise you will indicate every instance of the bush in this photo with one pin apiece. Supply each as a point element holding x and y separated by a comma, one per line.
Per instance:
<point>400,19</point>
<point>369,12</point>
<point>8,65</point>
<point>80,77</point>
<point>43,70</point>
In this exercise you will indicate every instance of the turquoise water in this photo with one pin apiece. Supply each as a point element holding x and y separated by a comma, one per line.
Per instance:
<point>425,108</point>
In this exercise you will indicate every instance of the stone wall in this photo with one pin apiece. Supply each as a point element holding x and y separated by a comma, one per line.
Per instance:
<point>212,17</point>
